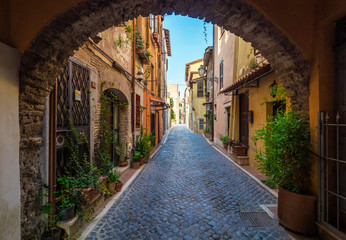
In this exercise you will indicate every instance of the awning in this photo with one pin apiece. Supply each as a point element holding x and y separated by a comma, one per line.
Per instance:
<point>249,78</point>
<point>158,103</point>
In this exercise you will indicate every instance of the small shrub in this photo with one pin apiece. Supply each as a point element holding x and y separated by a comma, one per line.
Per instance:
<point>285,157</point>
<point>224,139</point>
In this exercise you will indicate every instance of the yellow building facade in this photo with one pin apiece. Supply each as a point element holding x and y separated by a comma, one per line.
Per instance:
<point>196,85</point>
<point>253,98</point>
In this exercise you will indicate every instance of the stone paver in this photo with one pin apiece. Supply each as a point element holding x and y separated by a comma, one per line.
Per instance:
<point>188,191</point>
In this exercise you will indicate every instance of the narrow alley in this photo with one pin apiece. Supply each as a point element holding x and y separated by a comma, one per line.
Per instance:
<point>189,190</point>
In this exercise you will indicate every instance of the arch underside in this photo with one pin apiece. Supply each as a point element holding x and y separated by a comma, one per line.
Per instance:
<point>47,56</point>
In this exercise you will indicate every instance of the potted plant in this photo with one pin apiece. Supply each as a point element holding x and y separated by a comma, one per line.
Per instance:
<point>285,160</point>
<point>143,145</point>
<point>118,183</point>
<point>65,196</point>
<point>122,153</point>
<point>135,159</point>
<point>88,182</point>
<point>139,42</point>
<point>238,148</point>
<point>113,179</point>
<point>225,141</point>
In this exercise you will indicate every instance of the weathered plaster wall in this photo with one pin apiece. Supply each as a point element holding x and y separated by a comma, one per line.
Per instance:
<point>9,144</point>
<point>224,50</point>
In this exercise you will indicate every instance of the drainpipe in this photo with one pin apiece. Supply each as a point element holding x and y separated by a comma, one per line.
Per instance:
<point>213,94</point>
<point>133,82</point>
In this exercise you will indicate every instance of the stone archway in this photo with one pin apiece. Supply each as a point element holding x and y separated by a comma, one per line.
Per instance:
<point>46,57</point>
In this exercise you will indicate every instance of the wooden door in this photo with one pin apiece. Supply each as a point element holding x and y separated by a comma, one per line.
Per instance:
<point>243,119</point>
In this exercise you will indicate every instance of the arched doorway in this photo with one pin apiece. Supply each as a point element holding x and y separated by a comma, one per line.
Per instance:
<point>43,61</point>
<point>115,101</point>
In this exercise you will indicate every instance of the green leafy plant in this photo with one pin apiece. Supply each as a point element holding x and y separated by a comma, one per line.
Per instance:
<point>285,157</point>
<point>120,41</point>
<point>206,130</point>
<point>171,103</point>
<point>66,192</point>
<point>136,156</point>
<point>253,64</point>
<point>106,138</point>
<point>143,143</point>
<point>251,51</point>
<point>49,210</point>
<point>120,149</point>
<point>79,165</point>
<point>224,139</point>
<point>206,115</point>
<point>114,176</point>
<point>139,41</point>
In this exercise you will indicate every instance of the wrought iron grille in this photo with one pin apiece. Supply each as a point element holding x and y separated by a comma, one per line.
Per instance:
<point>63,99</point>
<point>332,173</point>
<point>73,102</point>
<point>80,82</point>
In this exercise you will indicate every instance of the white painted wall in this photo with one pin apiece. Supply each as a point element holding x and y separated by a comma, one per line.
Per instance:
<point>9,143</point>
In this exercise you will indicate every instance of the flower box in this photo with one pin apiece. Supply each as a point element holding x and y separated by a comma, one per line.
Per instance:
<point>240,150</point>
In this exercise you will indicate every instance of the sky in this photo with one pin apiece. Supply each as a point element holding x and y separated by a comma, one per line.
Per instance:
<point>187,44</point>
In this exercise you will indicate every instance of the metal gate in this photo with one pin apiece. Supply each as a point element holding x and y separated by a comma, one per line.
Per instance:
<point>332,173</point>
<point>73,104</point>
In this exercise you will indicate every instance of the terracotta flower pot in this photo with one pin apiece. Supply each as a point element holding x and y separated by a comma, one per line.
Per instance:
<point>135,165</point>
<point>239,150</point>
<point>123,164</point>
<point>225,145</point>
<point>90,195</point>
<point>297,211</point>
<point>141,161</point>
<point>139,49</point>
<point>111,187</point>
<point>118,186</point>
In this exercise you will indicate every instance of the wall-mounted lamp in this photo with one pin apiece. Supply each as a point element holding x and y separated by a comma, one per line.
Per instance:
<point>140,73</point>
<point>201,71</point>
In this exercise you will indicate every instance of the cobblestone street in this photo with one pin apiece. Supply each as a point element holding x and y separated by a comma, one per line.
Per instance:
<point>189,191</point>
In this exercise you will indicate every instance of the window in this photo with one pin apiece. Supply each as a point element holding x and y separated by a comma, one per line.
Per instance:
<point>138,111</point>
<point>153,23</point>
<point>221,74</point>
<point>278,106</point>
<point>201,124</point>
<point>200,89</point>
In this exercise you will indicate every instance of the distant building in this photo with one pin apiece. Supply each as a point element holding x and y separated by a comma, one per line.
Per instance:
<point>195,83</point>
<point>173,93</point>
